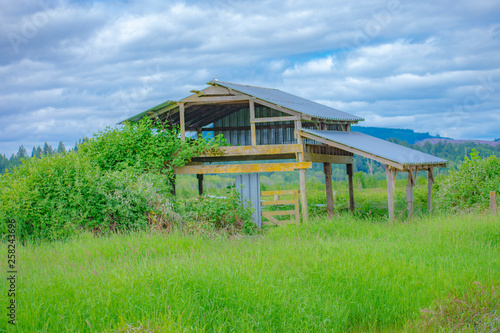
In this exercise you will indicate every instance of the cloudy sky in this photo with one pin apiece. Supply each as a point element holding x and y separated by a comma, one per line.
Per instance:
<point>71,68</point>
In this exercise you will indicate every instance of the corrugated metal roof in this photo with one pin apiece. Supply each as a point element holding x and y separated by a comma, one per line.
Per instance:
<point>291,102</point>
<point>378,147</point>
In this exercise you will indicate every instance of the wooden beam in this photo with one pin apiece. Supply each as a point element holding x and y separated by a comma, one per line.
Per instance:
<point>283,109</point>
<point>409,192</point>
<point>200,184</point>
<point>272,119</point>
<point>351,186</point>
<point>302,174</point>
<point>242,168</point>
<point>252,125</point>
<point>217,91</point>
<point>277,192</point>
<point>327,169</point>
<point>351,149</point>
<point>214,99</point>
<point>423,167</point>
<point>256,150</point>
<point>322,158</point>
<point>390,191</point>
<point>430,181</point>
<point>182,124</point>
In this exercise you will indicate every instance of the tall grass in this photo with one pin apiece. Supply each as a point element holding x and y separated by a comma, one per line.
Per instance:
<point>326,276</point>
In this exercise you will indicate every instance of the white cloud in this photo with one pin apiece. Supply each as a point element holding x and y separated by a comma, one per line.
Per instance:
<point>93,64</point>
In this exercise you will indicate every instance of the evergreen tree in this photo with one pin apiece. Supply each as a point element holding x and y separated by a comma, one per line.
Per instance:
<point>33,152</point>
<point>61,149</point>
<point>21,153</point>
<point>4,163</point>
<point>39,152</point>
<point>47,149</point>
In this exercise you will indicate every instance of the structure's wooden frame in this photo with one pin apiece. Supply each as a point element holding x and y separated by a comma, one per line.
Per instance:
<point>270,215</point>
<point>241,168</point>
<point>304,155</point>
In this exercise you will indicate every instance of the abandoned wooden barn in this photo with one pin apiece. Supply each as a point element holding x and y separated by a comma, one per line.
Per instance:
<point>263,124</point>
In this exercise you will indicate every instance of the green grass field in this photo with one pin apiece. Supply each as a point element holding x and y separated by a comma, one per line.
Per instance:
<point>336,275</point>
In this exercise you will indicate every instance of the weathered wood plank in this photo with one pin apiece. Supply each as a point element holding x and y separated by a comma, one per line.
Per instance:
<point>430,182</point>
<point>182,123</point>
<point>242,168</point>
<point>272,119</point>
<point>351,186</point>
<point>302,175</point>
<point>279,212</point>
<point>256,150</point>
<point>320,158</point>
<point>282,109</point>
<point>277,202</point>
<point>409,192</point>
<point>214,99</point>
<point>390,191</point>
<point>200,184</point>
<point>252,125</point>
<point>277,192</point>
<point>327,168</point>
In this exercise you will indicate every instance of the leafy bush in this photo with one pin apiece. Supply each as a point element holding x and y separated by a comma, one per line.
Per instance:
<point>211,214</point>
<point>468,188</point>
<point>54,197</point>
<point>145,146</point>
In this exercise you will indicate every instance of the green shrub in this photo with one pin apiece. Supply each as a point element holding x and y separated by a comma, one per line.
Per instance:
<point>213,214</point>
<point>468,188</point>
<point>145,147</point>
<point>55,197</point>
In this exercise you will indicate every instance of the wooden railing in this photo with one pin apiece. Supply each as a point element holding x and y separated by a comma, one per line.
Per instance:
<point>271,215</point>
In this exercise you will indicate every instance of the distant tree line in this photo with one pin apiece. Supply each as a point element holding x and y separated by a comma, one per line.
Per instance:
<point>38,152</point>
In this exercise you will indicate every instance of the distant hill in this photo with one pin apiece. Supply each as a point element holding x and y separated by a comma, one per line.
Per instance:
<point>436,140</point>
<point>407,135</point>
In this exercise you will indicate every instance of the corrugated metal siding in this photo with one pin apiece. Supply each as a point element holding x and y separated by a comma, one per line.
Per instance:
<point>266,136</point>
<point>249,186</point>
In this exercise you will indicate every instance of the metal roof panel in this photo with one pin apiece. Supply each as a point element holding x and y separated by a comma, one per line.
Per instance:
<point>291,102</point>
<point>378,147</point>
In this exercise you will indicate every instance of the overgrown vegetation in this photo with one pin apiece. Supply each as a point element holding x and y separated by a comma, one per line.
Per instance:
<point>331,275</point>
<point>468,188</point>
<point>118,180</point>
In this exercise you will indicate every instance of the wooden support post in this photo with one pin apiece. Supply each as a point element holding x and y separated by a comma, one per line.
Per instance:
<point>390,194</point>
<point>351,186</point>
<point>327,168</point>
<point>430,182</point>
<point>252,124</point>
<point>182,123</point>
<point>199,134</point>
<point>493,202</point>
<point>409,191</point>
<point>200,183</point>
<point>302,174</point>
<point>173,185</point>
